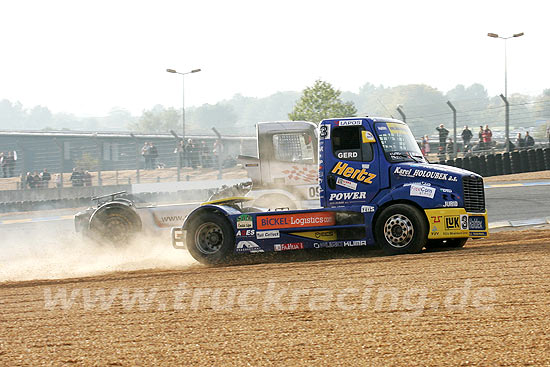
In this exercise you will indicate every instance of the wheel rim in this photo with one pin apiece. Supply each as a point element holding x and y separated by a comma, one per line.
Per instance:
<point>398,230</point>
<point>209,238</point>
<point>118,227</point>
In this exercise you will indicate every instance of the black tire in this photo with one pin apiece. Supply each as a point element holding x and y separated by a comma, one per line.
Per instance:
<point>401,229</point>
<point>210,238</point>
<point>433,244</point>
<point>114,225</point>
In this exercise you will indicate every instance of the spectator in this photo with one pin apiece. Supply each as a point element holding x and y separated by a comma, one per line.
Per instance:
<point>87,178</point>
<point>9,163</point>
<point>529,141</point>
<point>443,133</point>
<point>58,181</point>
<point>520,142</point>
<point>450,148</point>
<point>487,137</point>
<point>153,155</point>
<point>145,152</point>
<point>425,145</point>
<point>466,135</point>
<point>76,178</point>
<point>480,135</point>
<point>37,180</point>
<point>3,165</point>
<point>180,151</point>
<point>29,181</point>
<point>548,134</point>
<point>204,152</point>
<point>192,153</point>
<point>45,178</point>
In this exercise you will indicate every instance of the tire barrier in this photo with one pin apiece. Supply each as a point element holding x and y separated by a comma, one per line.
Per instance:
<point>491,171</point>
<point>482,166</point>
<point>540,159</point>
<point>524,158</point>
<point>515,162</point>
<point>499,164</point>
<point>532,158</point>
<point>474,164</point>
<point>450,162</point>
<point>506,164</point>
<point>458,162</point>
<point>546,152</point>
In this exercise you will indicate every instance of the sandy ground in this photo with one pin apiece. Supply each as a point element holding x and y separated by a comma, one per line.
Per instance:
<point>486,304</point>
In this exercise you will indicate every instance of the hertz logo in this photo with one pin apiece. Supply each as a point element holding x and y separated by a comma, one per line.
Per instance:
<point>354,173</point>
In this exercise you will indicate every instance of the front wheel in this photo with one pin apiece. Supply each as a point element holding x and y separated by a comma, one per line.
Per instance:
<point>210,238</point>
<point>401,229</point>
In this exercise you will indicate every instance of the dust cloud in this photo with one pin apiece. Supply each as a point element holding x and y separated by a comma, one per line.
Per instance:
<point>53,252</point>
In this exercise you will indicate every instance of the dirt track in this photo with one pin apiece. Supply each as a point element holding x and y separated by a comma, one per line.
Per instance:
<point>487,304</point>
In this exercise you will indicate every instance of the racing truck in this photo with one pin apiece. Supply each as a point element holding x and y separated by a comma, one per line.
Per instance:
<point>375,189</point>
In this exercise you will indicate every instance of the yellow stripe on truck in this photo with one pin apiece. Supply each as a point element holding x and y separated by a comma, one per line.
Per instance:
<point>455,223</point>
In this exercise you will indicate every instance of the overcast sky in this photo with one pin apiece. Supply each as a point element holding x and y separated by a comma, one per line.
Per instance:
<point>86,57</point>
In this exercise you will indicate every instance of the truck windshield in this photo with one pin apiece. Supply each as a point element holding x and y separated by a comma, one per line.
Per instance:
<point>398,142</point>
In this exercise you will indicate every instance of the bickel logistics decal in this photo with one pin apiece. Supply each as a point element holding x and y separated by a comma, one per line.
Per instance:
<point>297,220</point>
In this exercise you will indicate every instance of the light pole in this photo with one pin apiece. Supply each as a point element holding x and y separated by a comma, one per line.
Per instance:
<point>183,96</point>
<point>494,35</point>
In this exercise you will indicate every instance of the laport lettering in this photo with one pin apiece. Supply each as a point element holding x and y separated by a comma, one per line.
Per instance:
<point>361,175</point>
<point>315,219</point>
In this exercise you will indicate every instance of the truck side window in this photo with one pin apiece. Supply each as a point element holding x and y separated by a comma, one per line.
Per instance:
<point>293,147</point>
<point>347,144</point>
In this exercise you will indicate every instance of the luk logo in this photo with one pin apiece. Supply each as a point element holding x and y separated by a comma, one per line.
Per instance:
<point>452,222</point>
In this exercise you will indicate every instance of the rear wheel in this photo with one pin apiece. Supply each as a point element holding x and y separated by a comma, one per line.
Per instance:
<point>114,225</point>
<point>401,229</point>
<point>210,238</point>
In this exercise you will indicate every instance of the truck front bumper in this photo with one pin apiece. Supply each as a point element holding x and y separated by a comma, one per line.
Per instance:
<point>456,223</point>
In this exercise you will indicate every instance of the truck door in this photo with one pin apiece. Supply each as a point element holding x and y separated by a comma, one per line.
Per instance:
<point>350,166</point>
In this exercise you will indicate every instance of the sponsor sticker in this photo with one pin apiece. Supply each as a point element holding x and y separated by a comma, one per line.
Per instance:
<point>346,183</point>
<point>248,246</point>
<point>367,209</point>
<point>367,137</point>
<point>463,221</point>
<point>347,155</point>
<point>339,196</point>
<point>412,172</point>
<point>423,191</point>
<point>262,235</point>
<point>450,204</point>
<point>245,233</point>
<point>332,244</point>
<point>289,246</point>
<point>297,220</point>
<point>350,123</point>
<point>324,132</point>
<point>318,235</point>
<point>478,234</point>
<point>396,128</point>
<point>361,175</point>
<point>244,221</point>
<point>452,222</point>
<point>476,223</point>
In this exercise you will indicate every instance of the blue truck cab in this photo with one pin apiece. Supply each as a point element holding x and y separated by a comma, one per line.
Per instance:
<point>376,189</point>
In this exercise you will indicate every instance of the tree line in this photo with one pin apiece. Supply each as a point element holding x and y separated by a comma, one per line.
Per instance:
<point>424,106</point>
